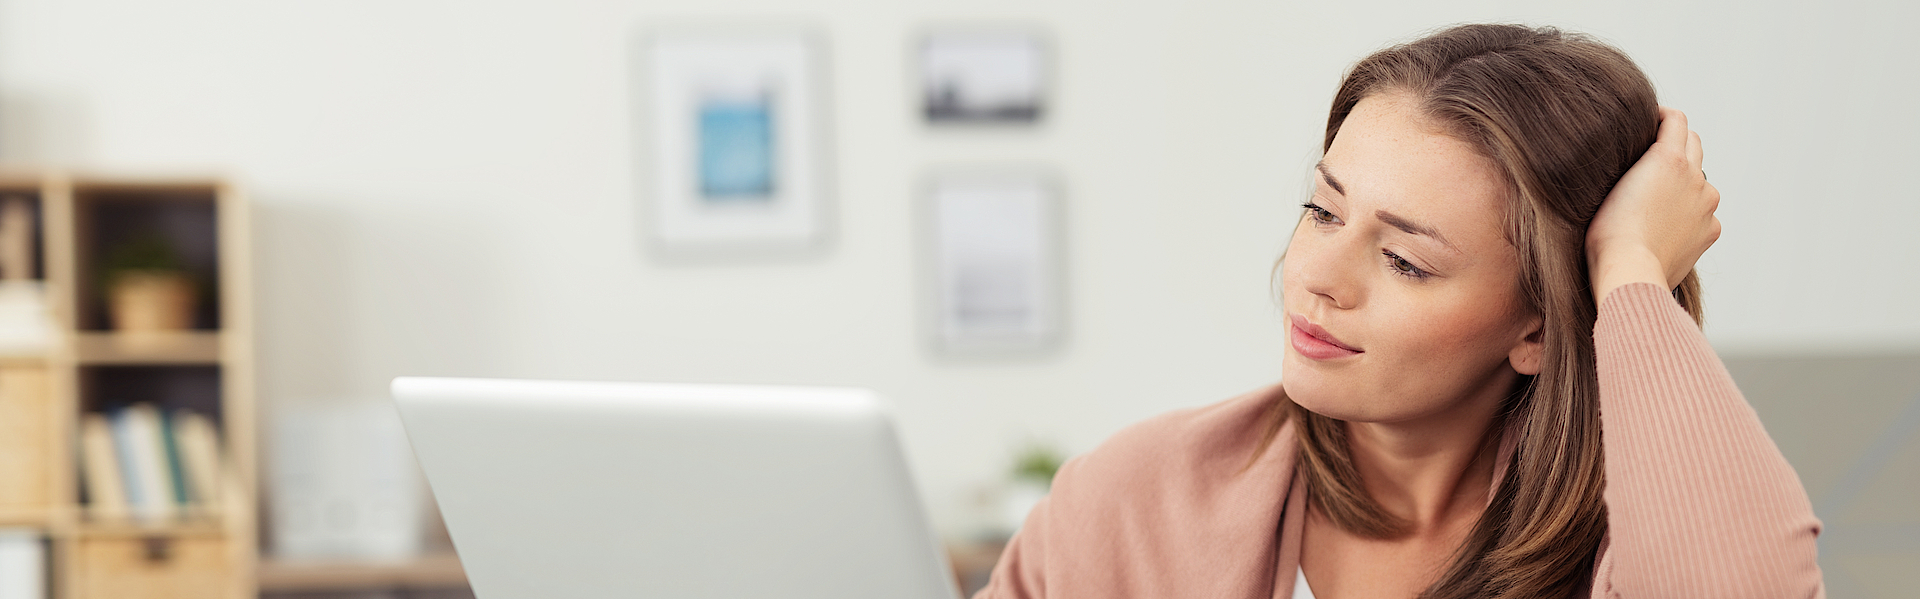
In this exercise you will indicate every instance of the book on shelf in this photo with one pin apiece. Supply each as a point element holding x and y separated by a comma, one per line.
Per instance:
<point>144,457</point>
<point>170,445</point>
<point>199,450</point>
<point>155,466</point>
<point>100,463</point>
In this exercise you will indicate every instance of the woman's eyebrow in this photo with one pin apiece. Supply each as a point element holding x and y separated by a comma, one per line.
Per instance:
<point>1402,223</point>
<point>1328,176</point>
<point>1394,220</point>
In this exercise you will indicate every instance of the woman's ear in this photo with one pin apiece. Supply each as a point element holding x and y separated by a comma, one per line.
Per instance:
<point>1525,356</point>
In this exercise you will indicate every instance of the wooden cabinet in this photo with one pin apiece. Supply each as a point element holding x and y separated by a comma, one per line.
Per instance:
<point>198,365</point>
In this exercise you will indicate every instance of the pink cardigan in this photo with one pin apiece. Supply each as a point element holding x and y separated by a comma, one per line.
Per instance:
<point>1700,501</point>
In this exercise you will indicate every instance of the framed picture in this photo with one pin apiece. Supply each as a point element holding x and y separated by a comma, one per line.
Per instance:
<point>732,126</point>
<point>983,76</point>
<point>995,252</point>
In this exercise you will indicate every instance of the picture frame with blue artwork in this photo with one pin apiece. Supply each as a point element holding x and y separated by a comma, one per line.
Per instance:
<point>730,121</point>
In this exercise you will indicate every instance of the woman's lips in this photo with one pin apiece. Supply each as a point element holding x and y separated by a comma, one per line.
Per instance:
<point>1315,342</point>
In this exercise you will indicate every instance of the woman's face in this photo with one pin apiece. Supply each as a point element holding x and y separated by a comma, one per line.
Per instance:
<point>1401,292</point>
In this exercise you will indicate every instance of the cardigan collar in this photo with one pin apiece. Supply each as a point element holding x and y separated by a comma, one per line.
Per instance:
<point>1293,514</point>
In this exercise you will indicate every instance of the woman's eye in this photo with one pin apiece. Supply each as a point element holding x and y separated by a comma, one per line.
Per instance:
<point>1402,267</point>
<point>1320,215</point>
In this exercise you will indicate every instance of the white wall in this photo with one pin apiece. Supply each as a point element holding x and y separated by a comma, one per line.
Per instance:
<point>448,188</point>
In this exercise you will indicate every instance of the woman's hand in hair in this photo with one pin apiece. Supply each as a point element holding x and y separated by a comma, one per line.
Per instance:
<point>1659,218</point>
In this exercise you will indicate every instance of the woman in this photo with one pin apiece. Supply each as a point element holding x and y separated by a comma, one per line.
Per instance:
<point>1484,279</point>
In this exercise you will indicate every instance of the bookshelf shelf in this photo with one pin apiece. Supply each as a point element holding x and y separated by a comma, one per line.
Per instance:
<point>26,517</point>
<point>196,347</point>
<point>166,530</point>
<point>436,571</point>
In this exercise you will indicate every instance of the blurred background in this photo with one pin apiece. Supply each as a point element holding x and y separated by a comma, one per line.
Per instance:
<point>457,189</point>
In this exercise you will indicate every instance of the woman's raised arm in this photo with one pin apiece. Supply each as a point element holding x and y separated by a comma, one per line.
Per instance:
<point>1700,503</point>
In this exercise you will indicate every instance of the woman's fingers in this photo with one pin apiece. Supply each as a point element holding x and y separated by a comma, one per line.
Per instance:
<point>1695,153</point>
<point>1662,208</point>
<point>1673,128</point>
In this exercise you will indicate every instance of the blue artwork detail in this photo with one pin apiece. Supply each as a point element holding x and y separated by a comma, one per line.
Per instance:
<point>736,150</point>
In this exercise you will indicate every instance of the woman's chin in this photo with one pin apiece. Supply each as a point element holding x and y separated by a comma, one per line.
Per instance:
<point>1366,407</point>
<point>1320,402</point>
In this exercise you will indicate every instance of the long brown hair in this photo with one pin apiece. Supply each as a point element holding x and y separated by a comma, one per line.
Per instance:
<point>1563,116</point>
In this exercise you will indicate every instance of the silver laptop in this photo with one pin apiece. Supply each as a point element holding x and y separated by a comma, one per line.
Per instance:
<point>589,490</point>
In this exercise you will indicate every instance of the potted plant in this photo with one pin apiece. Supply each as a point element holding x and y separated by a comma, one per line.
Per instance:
<point>148,287</point>
<point>1033,470</point>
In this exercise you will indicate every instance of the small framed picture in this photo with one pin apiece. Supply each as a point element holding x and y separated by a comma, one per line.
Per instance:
<point>995,251</point>
<point>983,76</point>
<point>732,129</point>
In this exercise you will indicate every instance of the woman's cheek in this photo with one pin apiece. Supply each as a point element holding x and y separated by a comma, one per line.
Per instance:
<point>1296,253</point>
<point>1436,324</point>
<point>1470,327</point>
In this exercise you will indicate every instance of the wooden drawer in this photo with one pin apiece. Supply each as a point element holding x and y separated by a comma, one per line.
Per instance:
<point>26,439</point>
<point>180,567</point>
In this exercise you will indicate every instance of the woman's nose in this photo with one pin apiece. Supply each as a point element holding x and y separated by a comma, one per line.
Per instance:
<point>1320,264</point>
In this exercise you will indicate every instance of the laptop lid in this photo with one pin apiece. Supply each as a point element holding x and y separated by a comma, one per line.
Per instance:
<point>588,490</point>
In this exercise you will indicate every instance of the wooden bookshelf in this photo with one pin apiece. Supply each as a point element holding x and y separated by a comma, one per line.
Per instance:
<point>88,366</point>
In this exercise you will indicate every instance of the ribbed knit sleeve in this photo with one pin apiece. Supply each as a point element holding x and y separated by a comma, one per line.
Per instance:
<point>1700,503</point>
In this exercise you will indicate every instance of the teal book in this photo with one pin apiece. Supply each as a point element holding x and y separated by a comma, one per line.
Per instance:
<point>172,445</point>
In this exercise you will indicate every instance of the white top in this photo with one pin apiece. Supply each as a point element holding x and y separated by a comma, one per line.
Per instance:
<point>1300,588</point>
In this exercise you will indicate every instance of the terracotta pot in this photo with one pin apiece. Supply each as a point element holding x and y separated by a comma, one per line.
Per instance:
<point>151,301</point>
